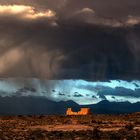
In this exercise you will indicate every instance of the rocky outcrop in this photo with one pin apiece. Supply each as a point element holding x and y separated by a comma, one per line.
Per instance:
<point>83,111</point>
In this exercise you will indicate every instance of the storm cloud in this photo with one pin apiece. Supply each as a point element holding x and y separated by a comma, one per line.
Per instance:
<point>70,39</point>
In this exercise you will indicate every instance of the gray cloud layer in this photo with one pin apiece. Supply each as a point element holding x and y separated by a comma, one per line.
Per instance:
<point>80,91</point>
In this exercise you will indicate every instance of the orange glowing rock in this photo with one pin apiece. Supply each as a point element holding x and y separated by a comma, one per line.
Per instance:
<point>83,111</point>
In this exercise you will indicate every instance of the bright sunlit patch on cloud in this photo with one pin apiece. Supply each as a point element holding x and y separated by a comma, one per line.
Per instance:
<point>132,20</point>
<point>85,10</point>
<point>47,14</point>
<point>9,59</point>
<point>16,9</point>
<point>25,11</point>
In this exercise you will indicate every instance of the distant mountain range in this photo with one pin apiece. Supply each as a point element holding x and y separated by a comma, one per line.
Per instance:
<point>34,105</point>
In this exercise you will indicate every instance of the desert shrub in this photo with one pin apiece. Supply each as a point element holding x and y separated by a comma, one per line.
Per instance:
<point>115,136</point>
<point>137,122</point>
<point>129,127</point>
<point>100,122</point>
<point>59,134</point>
<point>130,137</point>
<point>37,134</point>
<point>138,134</point>
<point>93,121</point>
<point>96,133</point>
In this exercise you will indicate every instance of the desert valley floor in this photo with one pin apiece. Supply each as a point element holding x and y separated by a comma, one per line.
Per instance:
<point>88,127</point>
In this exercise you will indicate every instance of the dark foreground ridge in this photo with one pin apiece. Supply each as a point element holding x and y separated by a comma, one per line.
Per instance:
<point>34,105</point>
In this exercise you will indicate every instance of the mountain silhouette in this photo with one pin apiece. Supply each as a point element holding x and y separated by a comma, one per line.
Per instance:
<point>37,105</point>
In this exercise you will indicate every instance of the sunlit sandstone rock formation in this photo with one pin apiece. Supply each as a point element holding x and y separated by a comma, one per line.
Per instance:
<point>83,111</point>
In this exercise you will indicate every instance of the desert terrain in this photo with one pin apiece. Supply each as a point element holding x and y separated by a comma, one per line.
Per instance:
<point>46,127</point>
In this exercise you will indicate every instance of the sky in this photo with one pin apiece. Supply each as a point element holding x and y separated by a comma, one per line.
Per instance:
<point>89,40</point>
<point>80,91</point>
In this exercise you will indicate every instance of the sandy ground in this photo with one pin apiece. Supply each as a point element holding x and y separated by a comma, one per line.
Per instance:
<point>63,127</point>
<point>76,128</point>
<point>84,127</point>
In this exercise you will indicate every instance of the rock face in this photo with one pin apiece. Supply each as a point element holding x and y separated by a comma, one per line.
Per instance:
<point>83,111</point>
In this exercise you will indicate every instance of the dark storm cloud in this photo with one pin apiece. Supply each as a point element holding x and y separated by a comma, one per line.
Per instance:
<point>40,39</point>
<point>76,94</point>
